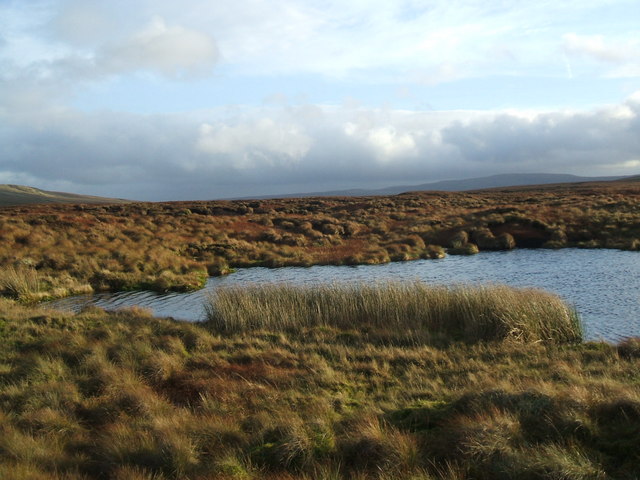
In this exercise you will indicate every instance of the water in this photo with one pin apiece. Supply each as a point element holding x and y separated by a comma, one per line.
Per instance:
<point>603,285</point>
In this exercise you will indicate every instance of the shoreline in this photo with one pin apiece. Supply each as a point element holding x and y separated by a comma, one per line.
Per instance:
<point>151,283</point>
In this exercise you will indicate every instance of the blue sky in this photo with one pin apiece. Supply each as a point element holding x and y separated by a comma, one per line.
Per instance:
<point>199,99</point>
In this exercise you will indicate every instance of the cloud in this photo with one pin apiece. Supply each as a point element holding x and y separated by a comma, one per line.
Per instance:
<point>53,50</point>
<point>384,142</point>
<point>85,24</point>
<point>87,46</point>
<point>620,56</point>
<point>596,47</point>
<point>573,141</point>
<point>433,42</point>
<point>172,51</point>
<point>276,149</point>
<point>254,143</point>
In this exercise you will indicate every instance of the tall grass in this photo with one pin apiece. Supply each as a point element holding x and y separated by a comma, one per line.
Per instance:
<point>413,312</point>
<point>19,282</point>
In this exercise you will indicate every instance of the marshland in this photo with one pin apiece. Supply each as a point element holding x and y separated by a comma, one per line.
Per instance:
<point>387,380</point>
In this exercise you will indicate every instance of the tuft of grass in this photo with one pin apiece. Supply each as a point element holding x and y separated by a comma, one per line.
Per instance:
<point>629,348</point>
<point>19,282</point>
<point>398,312</point>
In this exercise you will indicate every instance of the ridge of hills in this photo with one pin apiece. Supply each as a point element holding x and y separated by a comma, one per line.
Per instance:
<point>476,183</point>
<point>13,195</point>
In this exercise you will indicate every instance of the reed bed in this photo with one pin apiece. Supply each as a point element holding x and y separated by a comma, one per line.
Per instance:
<point>398,312</point>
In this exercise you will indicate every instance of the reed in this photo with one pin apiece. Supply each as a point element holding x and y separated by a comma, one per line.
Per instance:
<point>19,282</point>
<point>402,312</point>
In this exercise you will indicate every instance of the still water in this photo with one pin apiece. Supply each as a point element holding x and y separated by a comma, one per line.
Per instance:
<point>603,285</point>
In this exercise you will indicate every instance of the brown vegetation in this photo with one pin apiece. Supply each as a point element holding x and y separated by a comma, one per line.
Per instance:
<point>174,246</point>
<point>126,396</point>
<point>383,382</point>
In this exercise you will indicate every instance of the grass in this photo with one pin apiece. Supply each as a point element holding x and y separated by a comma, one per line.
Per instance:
<point>397,312</point>
<point>28,285</point>
<point>175,245</point>
<point>389,381</point>
<point>123,395</point>
<point>19,282</point>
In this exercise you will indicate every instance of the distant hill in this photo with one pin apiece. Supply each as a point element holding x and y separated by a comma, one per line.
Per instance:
<point>634,178</point>
<point>11,195</point>
<point>493,181</point>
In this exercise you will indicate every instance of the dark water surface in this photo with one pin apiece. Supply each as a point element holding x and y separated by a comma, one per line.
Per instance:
<point>603,285</point>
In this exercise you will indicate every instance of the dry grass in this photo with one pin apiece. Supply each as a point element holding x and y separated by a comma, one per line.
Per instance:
<point>128,396</point>
<point>397,312</point>
<point>19,282</point>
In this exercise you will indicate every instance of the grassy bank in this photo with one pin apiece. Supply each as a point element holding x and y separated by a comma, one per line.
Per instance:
<point>175,245</point>
<point>397,313</point>
<point>127,396</point>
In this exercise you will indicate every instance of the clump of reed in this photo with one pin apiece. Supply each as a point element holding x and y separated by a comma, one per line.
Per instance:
<point>398,312</point>
<point>19,282</point>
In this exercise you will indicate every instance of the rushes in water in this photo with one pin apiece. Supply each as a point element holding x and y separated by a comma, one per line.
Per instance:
<point>401,312</point>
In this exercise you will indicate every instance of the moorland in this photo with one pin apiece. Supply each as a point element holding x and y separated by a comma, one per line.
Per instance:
<point>389,382</point>
<point>57,250</point>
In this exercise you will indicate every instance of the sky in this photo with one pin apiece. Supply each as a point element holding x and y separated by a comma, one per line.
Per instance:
<point>205,99</point>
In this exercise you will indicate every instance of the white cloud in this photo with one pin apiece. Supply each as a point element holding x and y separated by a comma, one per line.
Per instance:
<point>84,24</point>
<point>52,49</point>
<point>596,47</point>
<point>93,42</point>
<point>630,164</point>
<point>68,44</point>
<point>620,57</point>
<point>381,40</point>
<point>253,144</point>
<point>384,142</point>
<point>170,50</point>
